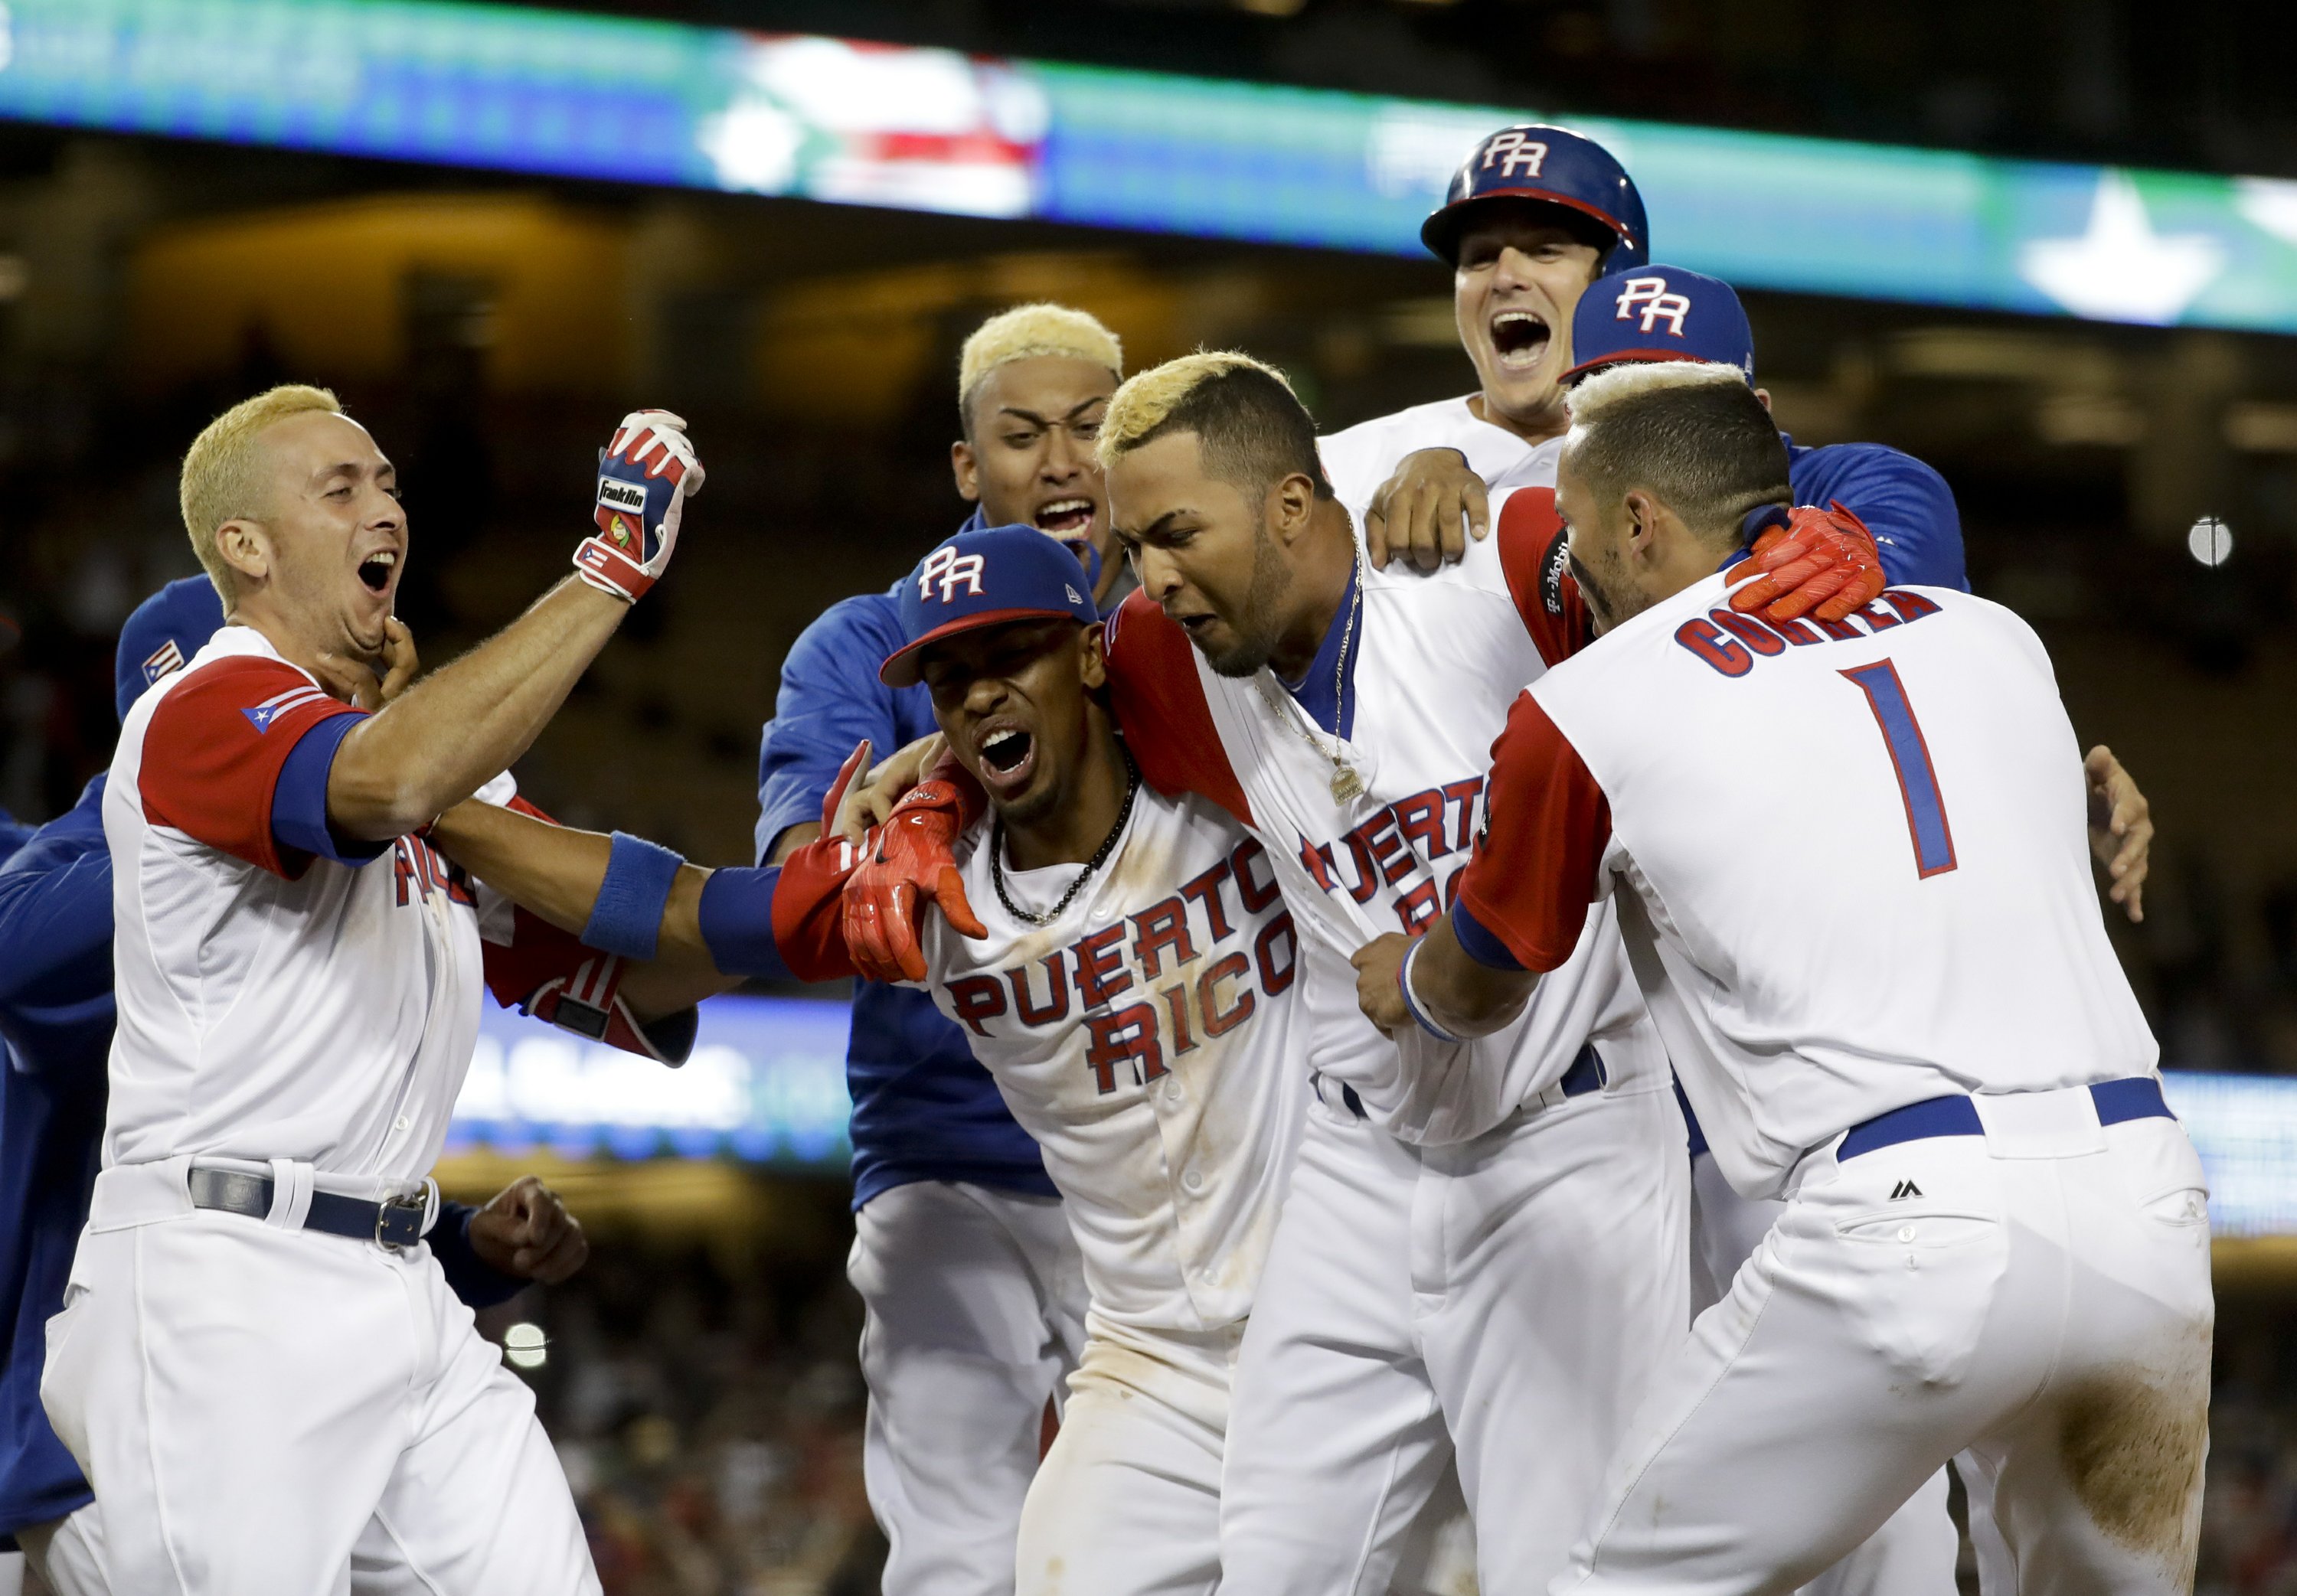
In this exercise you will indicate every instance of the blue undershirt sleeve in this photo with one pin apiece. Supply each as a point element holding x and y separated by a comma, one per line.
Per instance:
<point>477,1282</point>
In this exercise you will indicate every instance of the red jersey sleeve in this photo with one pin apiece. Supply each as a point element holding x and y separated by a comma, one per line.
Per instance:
<point>1545,827</point>
<point>1532,538</point>
<point>547,973</point>
<point>215,750</point>
<point>1160,707</point>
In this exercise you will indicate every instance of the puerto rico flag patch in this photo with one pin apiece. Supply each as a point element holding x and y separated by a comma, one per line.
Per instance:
<point>262,715</point>
<point>165,660</point>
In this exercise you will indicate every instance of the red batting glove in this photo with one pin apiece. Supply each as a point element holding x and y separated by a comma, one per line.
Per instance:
<point>1822,561</point>
<point>912,856</point>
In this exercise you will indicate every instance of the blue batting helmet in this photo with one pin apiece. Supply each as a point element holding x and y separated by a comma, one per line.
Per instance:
<point>162,635</point>
<point>1552,166</point>
<point>1660,313</point>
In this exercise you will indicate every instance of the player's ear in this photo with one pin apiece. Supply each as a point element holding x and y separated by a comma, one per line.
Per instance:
<point>1289,504</point>
<point>967,469</point>
<point>245,548</point>
<point>1642,514</point>
<point>1092,659</point>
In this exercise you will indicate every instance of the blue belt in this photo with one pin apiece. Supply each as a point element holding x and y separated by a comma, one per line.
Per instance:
<point>1585,1075</point>
<point>2134,1097</point>
<point>397,1224</point>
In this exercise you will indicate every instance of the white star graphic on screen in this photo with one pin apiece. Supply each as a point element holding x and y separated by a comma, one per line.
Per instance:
<point>2269,204</point>
<point>2121,270</point>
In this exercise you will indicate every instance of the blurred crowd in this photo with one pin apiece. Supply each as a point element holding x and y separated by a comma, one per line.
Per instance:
<point>708,1417</point>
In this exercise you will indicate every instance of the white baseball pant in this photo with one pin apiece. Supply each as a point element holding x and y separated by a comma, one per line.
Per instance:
<point>1127,1503</point>
<point>247,1400</point>
<point>2036,1300</point>
<point>1915,1552</point>
<point>975,1311</point>
<point>1509,1297</point>
<point>68,1553</point>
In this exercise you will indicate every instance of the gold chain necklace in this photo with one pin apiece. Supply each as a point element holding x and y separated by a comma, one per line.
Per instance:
<point>1347,781</point>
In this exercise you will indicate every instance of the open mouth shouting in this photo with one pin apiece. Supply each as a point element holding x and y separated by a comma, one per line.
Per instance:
<point>1008,755</point>
<point>1519,338</point>
<point>377,570</point>
<point>1069,517</point>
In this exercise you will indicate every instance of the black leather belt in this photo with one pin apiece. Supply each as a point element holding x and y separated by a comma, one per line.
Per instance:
<point>397,1224</point>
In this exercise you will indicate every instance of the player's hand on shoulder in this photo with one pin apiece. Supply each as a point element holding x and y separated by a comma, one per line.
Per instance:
<point>527,1232</point>
<point>1379,990</point>
<point>870,799</point>
<point>1427,512</point>
<point>355,682</point>
<point>2120,829</point>
<point>645,475</point>
<point>1822,563</point>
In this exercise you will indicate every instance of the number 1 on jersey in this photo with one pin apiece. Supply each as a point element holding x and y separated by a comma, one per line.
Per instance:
<point>1910,755</point>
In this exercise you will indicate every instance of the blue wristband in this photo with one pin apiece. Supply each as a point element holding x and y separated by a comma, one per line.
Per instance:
<point>1411,998</point>
<point>627,919</point>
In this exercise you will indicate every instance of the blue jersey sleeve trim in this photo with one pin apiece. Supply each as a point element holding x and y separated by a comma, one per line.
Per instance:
<point>299,803</point>
<point>477,1282</point>
<point>737,922</point>
<point>1479,943</point>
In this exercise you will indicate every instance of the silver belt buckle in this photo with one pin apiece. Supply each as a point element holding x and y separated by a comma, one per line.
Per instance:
<point>399,1222</point>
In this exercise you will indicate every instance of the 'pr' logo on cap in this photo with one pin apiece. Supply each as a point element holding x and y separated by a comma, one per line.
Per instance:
<point>1657,301</point>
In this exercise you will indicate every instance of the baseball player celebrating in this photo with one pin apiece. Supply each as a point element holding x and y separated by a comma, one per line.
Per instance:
<point>56,1020</point>
<point>1132,983</point>
<point>1994,1242</point>
<point>255,1363</point>
<point>968,1271</point>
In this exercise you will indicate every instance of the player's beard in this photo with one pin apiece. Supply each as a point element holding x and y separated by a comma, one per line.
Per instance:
<point>1255,628</point>
<point>1607,591</point>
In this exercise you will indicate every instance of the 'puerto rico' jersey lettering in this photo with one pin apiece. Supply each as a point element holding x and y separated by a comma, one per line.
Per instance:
<point>1150,1040</point>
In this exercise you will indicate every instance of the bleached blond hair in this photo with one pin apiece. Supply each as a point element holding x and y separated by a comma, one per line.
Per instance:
<point>223,477</point>
<point>1691,432</point>
<point>1025,331</point>
<point>1630,378</point>
<point>1250,427</point>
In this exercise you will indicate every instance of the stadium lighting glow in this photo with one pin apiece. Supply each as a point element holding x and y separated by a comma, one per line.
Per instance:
<point>850,122</point>
<point>525,1346</point>
<point>2209,541</point>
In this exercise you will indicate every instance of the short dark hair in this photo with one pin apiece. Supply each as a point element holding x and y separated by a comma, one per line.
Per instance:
<point>1693,434</point>
<point>1250,427</point>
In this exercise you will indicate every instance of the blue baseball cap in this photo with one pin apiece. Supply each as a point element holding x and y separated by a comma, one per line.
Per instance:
<point>1553,166</point>
<point>162,635</point>
<point>989,577</point>
<point>1660,313</point>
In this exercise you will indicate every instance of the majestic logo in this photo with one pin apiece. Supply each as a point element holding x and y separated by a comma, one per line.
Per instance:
<point>948,568</point>
<point>165,660</point>
<point>1651,296</point>
<point>1512,150</point>
<point>1904,1189</point>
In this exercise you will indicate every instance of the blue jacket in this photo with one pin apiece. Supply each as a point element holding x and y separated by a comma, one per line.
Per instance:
<point>1904,503</point>
<point>924,1107</point>
<point>55,1029</point>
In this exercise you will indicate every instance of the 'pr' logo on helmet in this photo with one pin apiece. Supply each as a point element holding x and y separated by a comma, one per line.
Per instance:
<point>1512,150</point>
<point>1658,304</point>
<point>947,567</point>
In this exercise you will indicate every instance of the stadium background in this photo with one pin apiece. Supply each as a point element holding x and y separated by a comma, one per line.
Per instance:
<point>494,230</point>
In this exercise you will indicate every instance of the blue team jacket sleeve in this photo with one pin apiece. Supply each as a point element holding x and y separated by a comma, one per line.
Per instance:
<point>55,942</point>
<point>478,1283</point>
<point>1904,503</point>
<point>830,699</point>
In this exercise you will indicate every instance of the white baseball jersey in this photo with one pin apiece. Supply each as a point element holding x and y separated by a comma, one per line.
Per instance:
<point>282,993</point>
<point>1359,458</point>
<point>1433,662</point>
<point>1148,1039</point>
<point>1930,756</point>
